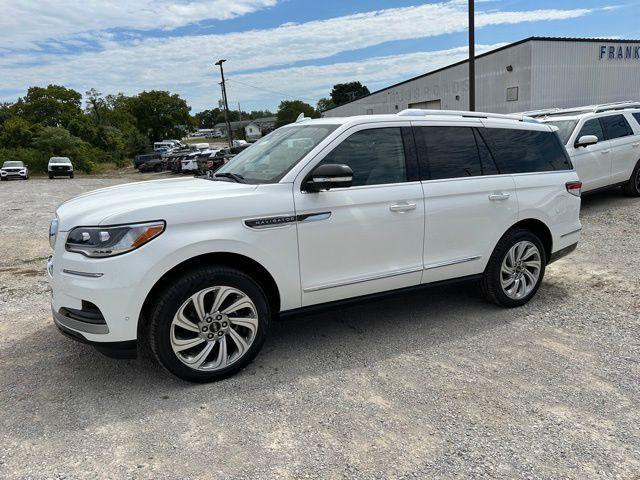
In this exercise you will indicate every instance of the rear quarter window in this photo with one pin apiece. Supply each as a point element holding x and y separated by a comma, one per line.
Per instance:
<point>525,151</point>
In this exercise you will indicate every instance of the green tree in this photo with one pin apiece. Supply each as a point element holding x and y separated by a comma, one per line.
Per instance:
<point>53,106</point>
<point>159,114</point>
<point>324,104</point>
<point>16,132</point>
<point>6,112</point>
<point>346,92</point>
<point>289,110</point>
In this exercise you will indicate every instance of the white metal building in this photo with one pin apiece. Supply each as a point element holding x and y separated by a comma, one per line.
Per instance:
<point>531,74</point>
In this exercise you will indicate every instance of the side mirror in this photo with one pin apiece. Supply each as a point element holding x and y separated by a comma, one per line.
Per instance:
<point>586,140</point>
<point>326,177</point>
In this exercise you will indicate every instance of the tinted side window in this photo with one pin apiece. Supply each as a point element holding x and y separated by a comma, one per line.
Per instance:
<point>451,152</point>
<point>637,117</point>
<point>592,127</point>
<point>616,126</point>
<point>522,151</point>
<point>376,156</point>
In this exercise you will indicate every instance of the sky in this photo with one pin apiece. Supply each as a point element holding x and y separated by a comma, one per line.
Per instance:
<point>275,49</point>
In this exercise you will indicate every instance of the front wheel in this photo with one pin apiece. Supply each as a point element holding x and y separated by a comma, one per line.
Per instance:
<point>515,270</point>
<point>71,175</point>
<point>632,187</point>
<point>209,324</point>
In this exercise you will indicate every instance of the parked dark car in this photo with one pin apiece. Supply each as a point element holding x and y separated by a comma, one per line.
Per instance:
<point>141,159</point>
<point>153,165</point>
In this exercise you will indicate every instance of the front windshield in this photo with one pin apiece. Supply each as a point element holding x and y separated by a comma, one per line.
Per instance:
<point>565,128</point>
<point>12,164</point>
<point>271,157</point>
<point>59,160</point>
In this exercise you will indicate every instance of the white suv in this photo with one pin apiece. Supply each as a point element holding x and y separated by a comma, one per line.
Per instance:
<point>316,212</point>
<point>60,166</point>
<point>603,142</point>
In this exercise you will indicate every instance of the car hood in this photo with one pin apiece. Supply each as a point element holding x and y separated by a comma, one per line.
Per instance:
<point>145,201</point>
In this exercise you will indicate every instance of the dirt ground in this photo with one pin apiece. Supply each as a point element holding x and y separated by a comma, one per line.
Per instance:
<point>432,384</point>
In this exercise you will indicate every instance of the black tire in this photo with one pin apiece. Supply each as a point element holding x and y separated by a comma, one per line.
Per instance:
<point>632,187</point>
<point>3,179</point>
<point>50,177</point>
<point>175,295</point>
<point>491,282</point>
<point>71,175</point>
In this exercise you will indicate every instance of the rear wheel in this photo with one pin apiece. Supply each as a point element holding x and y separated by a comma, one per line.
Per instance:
<point>515,270</point>
<point>632,187</point>
<point>209,324</point>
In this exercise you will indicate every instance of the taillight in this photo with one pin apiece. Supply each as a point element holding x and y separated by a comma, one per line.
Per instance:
<point>574,188</point>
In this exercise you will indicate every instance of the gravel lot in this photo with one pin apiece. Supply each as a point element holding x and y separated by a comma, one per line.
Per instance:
<point>433,384</point>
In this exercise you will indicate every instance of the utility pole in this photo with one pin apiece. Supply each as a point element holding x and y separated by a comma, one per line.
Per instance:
<point>472,58</point>
<point>226,104</point>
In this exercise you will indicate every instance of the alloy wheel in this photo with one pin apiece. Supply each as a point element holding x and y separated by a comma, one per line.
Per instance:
<point>214,328</point>
<point>520,270</point>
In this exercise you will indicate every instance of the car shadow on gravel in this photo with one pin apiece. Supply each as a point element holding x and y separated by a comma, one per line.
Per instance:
<point>74,385</point>
<point>606,199</point>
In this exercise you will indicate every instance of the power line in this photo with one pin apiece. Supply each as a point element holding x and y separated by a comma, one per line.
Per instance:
<point>270,91</point>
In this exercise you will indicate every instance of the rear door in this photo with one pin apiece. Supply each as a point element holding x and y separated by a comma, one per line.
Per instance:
<point>624,146</point>
<point>468,203</point>
<point>593,162</point>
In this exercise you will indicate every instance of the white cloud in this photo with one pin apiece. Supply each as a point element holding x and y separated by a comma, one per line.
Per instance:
<point>184,64</point>
<point>25,23</point>
<point>312,82</point>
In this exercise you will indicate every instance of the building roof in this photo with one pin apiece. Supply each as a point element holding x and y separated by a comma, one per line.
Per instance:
<point>504,47</point>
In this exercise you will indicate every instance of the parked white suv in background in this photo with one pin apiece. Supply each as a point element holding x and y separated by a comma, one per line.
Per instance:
<point>60,166</point>
<point>316,212</point>
<point>603,142</point>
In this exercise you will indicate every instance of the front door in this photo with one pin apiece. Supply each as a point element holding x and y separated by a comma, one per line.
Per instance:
<point>367,238</point>
<point>593,162</point>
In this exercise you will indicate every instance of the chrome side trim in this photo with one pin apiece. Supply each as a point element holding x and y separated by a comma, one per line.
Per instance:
<point>368,278</point>
<point>78,325</point>
<point>314,217</point>
<point>82,274</point>
<point>571,233</point>
<point>452,262</point>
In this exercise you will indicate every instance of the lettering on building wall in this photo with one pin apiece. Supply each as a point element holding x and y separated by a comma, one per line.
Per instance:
<point>619,52</point>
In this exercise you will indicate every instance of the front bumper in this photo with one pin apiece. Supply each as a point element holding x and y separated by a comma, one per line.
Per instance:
<point>13,174</point>
<point>112,286</point>
<point>122,350</point>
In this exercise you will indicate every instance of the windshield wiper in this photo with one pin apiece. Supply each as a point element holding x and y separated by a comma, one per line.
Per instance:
<point>233,176</point>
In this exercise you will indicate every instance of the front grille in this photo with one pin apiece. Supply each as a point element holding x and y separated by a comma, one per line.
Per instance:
<point>59,168</point>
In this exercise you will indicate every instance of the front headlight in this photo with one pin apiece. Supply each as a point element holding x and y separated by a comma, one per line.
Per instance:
<point>111,241</point>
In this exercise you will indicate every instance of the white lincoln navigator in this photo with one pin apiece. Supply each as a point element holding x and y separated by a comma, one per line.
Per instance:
<point>316,212</point>
<point>603,142</point>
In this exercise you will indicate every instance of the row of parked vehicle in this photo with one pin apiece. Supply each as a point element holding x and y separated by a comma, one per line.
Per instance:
<point>57,166</point>
<point>196,159</point>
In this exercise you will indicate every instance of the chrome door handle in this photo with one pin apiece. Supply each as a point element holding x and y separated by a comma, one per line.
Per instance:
<point>403,207</point>
<point>495,197</point>
<point>604,152</point>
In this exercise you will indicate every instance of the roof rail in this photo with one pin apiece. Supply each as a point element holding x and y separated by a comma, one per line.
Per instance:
<point>418,112</point>
<point>605,107</point>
